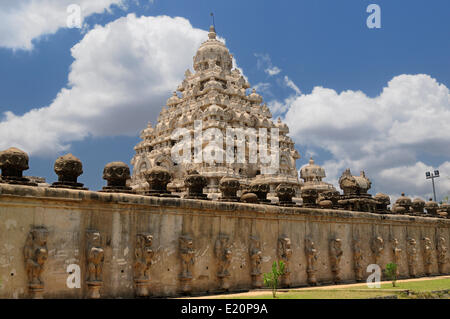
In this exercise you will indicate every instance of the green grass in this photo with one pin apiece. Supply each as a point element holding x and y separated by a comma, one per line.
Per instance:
<point>418,289</point>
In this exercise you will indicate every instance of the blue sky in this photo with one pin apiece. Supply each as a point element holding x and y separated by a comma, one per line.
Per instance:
<point>312,43</point>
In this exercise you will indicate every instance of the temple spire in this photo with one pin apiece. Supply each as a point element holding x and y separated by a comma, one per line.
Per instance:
<point>212,33</point>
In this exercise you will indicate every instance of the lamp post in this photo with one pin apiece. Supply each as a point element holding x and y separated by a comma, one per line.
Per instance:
<point>432,176</point>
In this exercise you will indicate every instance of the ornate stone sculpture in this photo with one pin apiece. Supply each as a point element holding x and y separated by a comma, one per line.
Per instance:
<point>229,187</point>
<point>12,163</point>
<point>187,253</point>
<point>116,174</point>
<point>255,261</point>
<point>427,255</point>
<point>249,198</point>
<point>444,210</point>
<point>260,188</point>
<point>311,258</point>
<point>328,199</point>
<point>357,259</point>
<point>402,205</point>
<point>35,255</point>
<point>432,207</point>
<point>312,174</point>
<point>412,256</point>
<point>195,183</point>
<point>335,258</point>
<point>157,178</point>
<point>223,254</point>
<point>383,201</point>
<point>143,254</point>
<point>396,252</point>
<point>355,189</point>
<point>285,192</point>
<point>309,197</point>
<point>68,168</point>
<point>417,207</point>
<point>285,253</point>
<point>377,249</point>
<point>441,254</point>
<point>95,257</point>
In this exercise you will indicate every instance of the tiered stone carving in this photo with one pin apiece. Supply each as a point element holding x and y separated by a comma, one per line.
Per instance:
<point>402,205</point>
<point>116,174</point>
<point>357,259</point>
<point>195,183</point>
<point>328,199</point>
<point>285,253</point>
<point>255,261</point>
<point>35,255</point>
<point>377,249</point>
<point>157,178</point>
<point>441,254</point>
<point>312,174</point>
<point>383,201</point>
<point>223,254</point>
<point>143,254</point>
<point>335,258</point>
<point>444,210</point>
<point>309,197</point>
<point>311,259</point>
<point>229,187</point>
<point>396,253</point>
<point>68,168</point>
<point>412,257</point>
<point>428,255</point>
<point>12,163</point>
<point>214,94</point>
<point>249,198</point>
<point>417,207</point>
<point>260,188</point>
<point>285,192</point>
<point>355,189</point>
<point>95,257</point>
<point>187,253</point>
<point>432,208</point>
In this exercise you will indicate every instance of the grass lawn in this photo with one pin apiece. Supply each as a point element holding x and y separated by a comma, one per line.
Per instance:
<point>362,292</point>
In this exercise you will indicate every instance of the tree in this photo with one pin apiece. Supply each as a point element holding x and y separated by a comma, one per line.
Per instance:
<point>271,278</point>
<point>391,272</point>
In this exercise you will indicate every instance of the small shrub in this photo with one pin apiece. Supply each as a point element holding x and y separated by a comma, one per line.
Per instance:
<point>271,278</point>
<point>391,272</point>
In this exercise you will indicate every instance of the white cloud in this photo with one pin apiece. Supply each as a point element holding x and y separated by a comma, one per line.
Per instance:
<point>21,21</point>
<point>388,136</point>
<point>263,61</point>
<point>272,70</point>
<point>121,76</point>
<point>288,82</point>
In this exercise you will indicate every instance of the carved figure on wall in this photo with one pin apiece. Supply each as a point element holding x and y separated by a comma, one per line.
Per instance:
<point>396,251</point>
<point>187,253</point>
<point>95,257</point>
<point>311,258</point>
<point>35,255</point>
<point>255,261</point>
<point>223,254</point>
<point>441,254</point>
<point>428,255</point>
<point>357,259</point>
<point>412,256</point>
<point>335,258</point>
<point>285,253</point>
<point>377,248</point>
<point>143,254</point>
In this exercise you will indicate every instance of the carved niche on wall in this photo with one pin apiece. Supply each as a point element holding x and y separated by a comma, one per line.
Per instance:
<point>427,255</point>
<point>412,256</point>
<point>285,253</point>
<point>377,248</point>
<point>357,259</point>
<point>335,258</point>
<point>143,254</point>
<point>35,255</point>
<point>396,253</point>
<point>95,256</point>
<point>223,253</point>
<point>255,261</point>
<point>187,253</point>
<point>441,254</point>
<point>311,259</point>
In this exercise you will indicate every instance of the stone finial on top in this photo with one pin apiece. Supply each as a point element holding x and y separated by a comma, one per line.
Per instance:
<point>13,162</point>
<point>68,168</point>
<point>212,33</point>
<point>229,187</point>
<point>157,178</point>
<point>116,175</point>
<point>383,201</point>
<point>195,183</point>
<point>432,207</point>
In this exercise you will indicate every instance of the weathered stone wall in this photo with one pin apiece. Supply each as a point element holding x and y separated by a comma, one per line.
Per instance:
<point>68,214</point>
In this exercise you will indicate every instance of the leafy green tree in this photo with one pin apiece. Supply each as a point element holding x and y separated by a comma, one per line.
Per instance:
<point>271,278</point>
<point>391,272</point>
